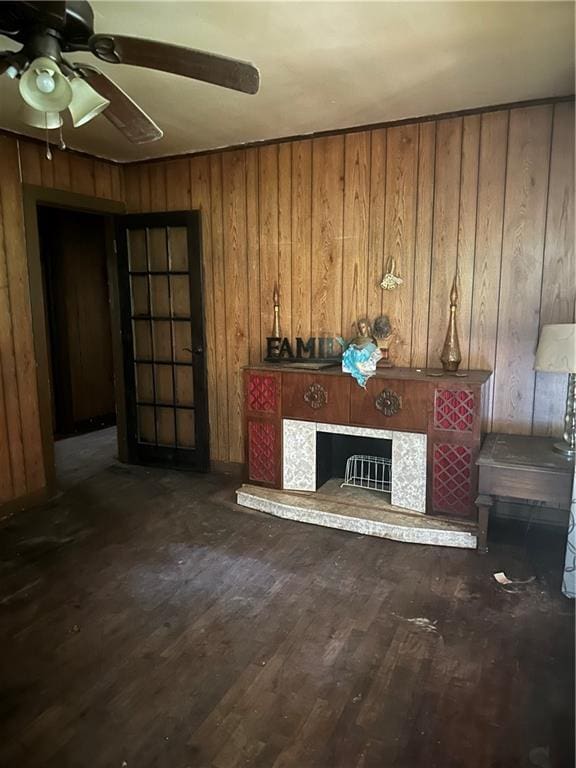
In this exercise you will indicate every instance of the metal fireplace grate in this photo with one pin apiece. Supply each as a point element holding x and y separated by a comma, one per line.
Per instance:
<point>370,472</point>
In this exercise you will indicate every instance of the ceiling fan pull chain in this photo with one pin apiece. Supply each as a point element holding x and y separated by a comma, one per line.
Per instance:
<point>48,150</point>
<point>62,144</point>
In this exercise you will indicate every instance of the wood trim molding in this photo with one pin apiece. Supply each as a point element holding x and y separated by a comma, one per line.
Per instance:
<point>313,135</point>
<point>32,196</point>
<point>352,129</point>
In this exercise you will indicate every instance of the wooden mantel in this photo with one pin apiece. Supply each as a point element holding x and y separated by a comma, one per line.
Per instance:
<point>447,408</point>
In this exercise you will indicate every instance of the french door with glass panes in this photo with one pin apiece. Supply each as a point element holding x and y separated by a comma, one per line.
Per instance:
<point>159,259</point>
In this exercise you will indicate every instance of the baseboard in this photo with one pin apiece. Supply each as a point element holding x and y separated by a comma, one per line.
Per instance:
<point>23,503</point>
<point>231,468</point>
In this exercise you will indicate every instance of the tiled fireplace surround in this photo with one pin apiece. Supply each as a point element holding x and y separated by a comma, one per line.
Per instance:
<point>435,428</point>
<point>408,459</point>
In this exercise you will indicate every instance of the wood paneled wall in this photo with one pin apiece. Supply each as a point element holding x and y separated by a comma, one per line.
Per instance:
<point>22,471</point>
<point>490,195</point>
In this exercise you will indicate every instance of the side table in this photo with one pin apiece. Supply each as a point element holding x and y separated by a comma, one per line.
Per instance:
<point>520,468</point>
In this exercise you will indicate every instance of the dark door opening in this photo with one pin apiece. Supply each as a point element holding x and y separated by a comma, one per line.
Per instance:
<point>73,255</point>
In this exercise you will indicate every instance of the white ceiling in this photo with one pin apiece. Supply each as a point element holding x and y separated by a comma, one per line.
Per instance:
<point>325,65</point>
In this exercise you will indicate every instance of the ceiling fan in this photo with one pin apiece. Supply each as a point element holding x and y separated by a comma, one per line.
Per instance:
<point>49,83</point>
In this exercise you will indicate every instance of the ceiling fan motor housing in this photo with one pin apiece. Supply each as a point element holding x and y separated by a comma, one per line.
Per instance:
<point>43,31</point>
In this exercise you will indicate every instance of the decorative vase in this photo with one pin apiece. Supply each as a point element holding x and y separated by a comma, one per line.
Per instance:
<point>451,356</point>
<point>385,361</point>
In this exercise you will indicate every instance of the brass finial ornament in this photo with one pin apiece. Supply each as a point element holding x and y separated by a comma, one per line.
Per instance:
<point>276,322</point>
<point>451,356</point>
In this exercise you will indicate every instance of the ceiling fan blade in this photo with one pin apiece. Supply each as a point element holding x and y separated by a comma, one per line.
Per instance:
<point>123,113</point>
<point>198,65</point>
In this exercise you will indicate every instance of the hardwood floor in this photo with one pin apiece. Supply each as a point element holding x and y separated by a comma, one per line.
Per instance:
<point>147,622</point>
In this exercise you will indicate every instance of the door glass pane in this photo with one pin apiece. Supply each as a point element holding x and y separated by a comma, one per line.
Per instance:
<point>180,294</point>
<point>157,250</point>
<point>182,342</point>
<point>160,296</point>
<point>162,340</point>
<point>140,300</point>
<point>178,246</point>
<point>137,250</point>
<point>146,432</point>
<point>142,339</point>
<point>185,426</point>
<point>164,384</point>
<point>144,383</point>
<point>184,385</point>
<point>165,426</point>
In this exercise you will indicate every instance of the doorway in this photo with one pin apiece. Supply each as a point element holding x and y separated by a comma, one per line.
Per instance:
<point>160,391</point>
<point>77,308</point>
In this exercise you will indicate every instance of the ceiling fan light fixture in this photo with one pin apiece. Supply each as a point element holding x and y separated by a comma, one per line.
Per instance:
<point>38,119</point>
<point>44,88</point>
<point>86,102</point>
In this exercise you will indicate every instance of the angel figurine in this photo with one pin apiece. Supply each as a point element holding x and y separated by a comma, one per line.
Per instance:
<point>361,355</point>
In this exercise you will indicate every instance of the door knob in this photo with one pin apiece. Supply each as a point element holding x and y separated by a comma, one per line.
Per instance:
<point>195,351</point>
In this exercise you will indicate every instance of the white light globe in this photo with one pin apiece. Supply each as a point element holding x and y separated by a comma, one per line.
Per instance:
<point>45,82</point>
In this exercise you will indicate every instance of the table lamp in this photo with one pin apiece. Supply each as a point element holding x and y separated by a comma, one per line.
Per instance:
<point>556,353</point>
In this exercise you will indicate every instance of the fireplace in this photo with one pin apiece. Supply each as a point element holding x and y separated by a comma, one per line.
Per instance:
<point>293,424</point>
<point>314,452</point>
<point>364,462</point>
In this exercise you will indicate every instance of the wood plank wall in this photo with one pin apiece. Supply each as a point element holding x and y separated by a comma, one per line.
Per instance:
<point>490,195</point>
<point>22,472</point>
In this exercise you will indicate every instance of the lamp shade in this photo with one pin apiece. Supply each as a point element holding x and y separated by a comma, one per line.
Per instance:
<point>44,87</point>
<point>46,120</point>
<point>556,351</point>
<point>86,102</point>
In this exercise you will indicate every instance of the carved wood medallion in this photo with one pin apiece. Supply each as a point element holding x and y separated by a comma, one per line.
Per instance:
<point>388,402</point>
<point>316,396</point>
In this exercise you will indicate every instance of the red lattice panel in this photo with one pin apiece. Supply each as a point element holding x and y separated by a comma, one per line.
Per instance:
<point>261,393</point>
<point>452,479</point>
<point>262,451</point>
<point>454,410</point>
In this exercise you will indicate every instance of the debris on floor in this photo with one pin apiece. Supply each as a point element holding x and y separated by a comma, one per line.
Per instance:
<point>502,579</point>
<point>421,622</point>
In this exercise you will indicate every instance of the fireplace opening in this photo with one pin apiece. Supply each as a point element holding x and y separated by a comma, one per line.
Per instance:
<point>332,454</point>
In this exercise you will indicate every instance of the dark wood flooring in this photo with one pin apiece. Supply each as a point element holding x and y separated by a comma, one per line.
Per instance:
<point>146,621</point>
